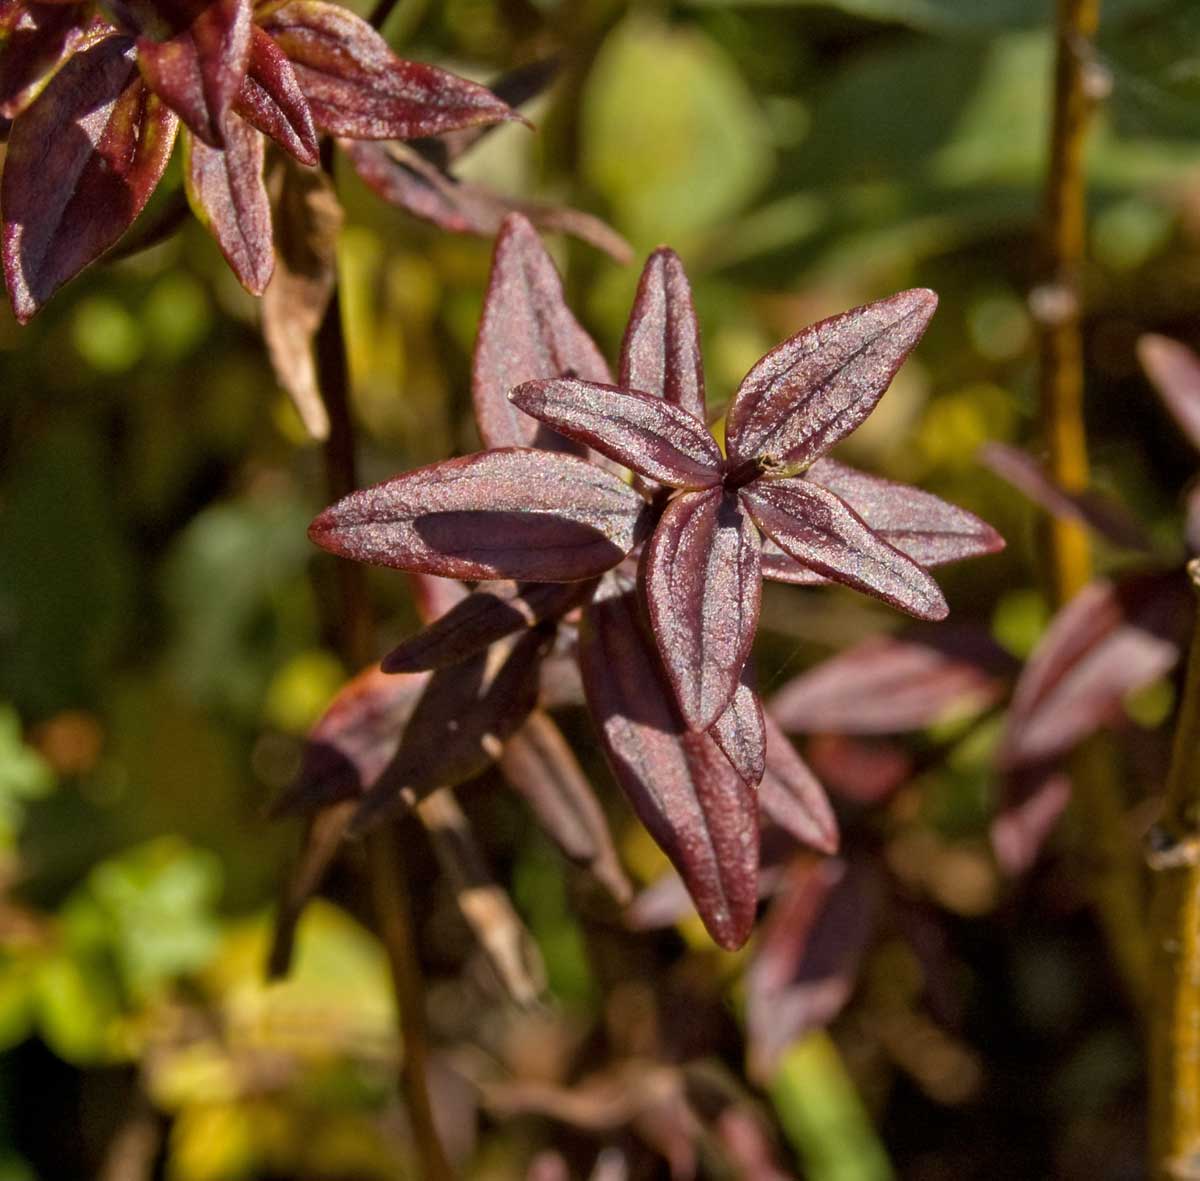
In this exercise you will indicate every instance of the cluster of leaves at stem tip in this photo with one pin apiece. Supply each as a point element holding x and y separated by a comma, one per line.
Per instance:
<point>604,520</point>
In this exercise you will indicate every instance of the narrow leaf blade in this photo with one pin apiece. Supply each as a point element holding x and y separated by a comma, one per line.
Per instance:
<point>791,796</point>
<point>741,733</point>
<point>271,100</point>
<point>1174,370</point>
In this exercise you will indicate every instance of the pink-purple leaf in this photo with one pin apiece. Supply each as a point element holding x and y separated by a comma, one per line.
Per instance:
<point>539,766</point>
<point>226,190</point>
<point>740,731</point>
<point>791,796</point>
<point>510,513</point>
<point>820,532</point>
<point>700,576</point>
<point>199,71</point>
<point>814,389</point>
<point>486,615</point>
<point>1174,369</point>
<point>1035,798</point>
<point>34,40</point>
<point>527,332</point>
<point>271,100</point>
<point>640,431</point>
<point>82,162</point>
<point>660,354</point>
<point>698,809</point>
<point>358,88</point>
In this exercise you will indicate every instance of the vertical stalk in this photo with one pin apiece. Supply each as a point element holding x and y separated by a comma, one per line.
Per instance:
<point>1116,883</point>
<point>1175,940</point>
<point>389,887</point>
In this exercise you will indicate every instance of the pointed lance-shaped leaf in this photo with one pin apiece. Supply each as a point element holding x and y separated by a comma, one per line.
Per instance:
<point>539,766</point>
<point>226,190</point>
<point>740,731</point>
<point>791,796</point>
<point>640,431</point>
<point>1033,800</point>
<point>526,332</point>
<point>698,809</point>
<point>358,88</point>
<point>199,71</point>
<point>1110,640</point>
<point>700,577</point>
<point>821,532</point>
<point>660,354</point>
<point>1174,369</point>
<point>510,513</point>
<point>272,101</point>
<point>35,39</point>
<point>486,615</point>
<point>814,389</point>
<point>82,162</point>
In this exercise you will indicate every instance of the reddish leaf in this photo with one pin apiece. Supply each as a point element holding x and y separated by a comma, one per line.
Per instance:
<point>740,732</point>
<point>539,766</point>
<point>700,575</point>
<point>199,71</point>
<point>358,88</point>
<point>82,162</point>
<point>866,771</point>
<point>640,431</point>
<point>526,332</point>
<point>693,803</point>
<point>226,190</point>
<point>1037,798</point>
<point>433,596</point>
<point>888,685</point>
<point>483,617</point>
<point>660,354</point>
<point>508,513</point>
<point>272,101</point>
<point>791,796</point>
<point>814,389</point>
<point>821,532</point>
<point>35,39</point>
<point>1108,641</point>
<point>1175,371</point>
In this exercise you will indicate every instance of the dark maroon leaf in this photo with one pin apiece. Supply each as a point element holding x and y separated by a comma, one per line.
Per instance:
<point>460,724</point>
<point>226,189</point>
<point>539,766</point>
<point>82,162</point>
<point>640,431</point>
<point>790,795</point>
<point>660,354</point>
<point>819,531</point>
<point>1036,798</point>
<point>1191,519</point>
<point>34,40</point>
<point>1175,371</point>
<point>1105,516</point>
<point>888,685</point>
<point>526,332</point>
<point>488,614</point>
<point>698,809</point>
<point>509,513</point>
<point>199,71</point>
<point>740,732</point>
<point>433,596</point>
<point>807,958</point>
<point>272,101</point>
<point>866,771</point>
<point>356,87</point>
<point>1108,641</point>
<point>814,389</point>
<point>700,576</point>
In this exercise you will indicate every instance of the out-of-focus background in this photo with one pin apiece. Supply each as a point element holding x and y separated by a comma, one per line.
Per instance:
<point>161,651</point>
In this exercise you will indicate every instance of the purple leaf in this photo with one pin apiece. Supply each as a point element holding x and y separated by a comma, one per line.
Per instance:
<point>433,597</point>
<point>740,732</point>
<point>527,332</point>
<point>1174,369</point>
<point>510,513</point>
<point>1110,640</point>
<point>34,40</point>
<point>693,803</point>
<point>814,389</point>
<point>226,190</point>
<point>640,431</point>
<point>700,575</point>
<point>660,354</point>
<point>1105,516</point>
<point>358,88</point>
<point>819,531</point>
<point>82,162</point>
<point>887,685</point>
<point>539,766</point>
<point>866,771</point>
<point>271,100</point>
<point>199,71</point>
<point>791,796</point>
<point>1036,799</point>
<point>488,614</point>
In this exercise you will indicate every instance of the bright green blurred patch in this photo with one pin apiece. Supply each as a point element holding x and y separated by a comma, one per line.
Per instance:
<point>1152,705</point>
<point>24,776</point>
<point>177,315</point>
<point>106,335</point>
<point>999,324</point>
<point>301,689</point>
<point>1019,620</point>
<point>1128,233</point>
